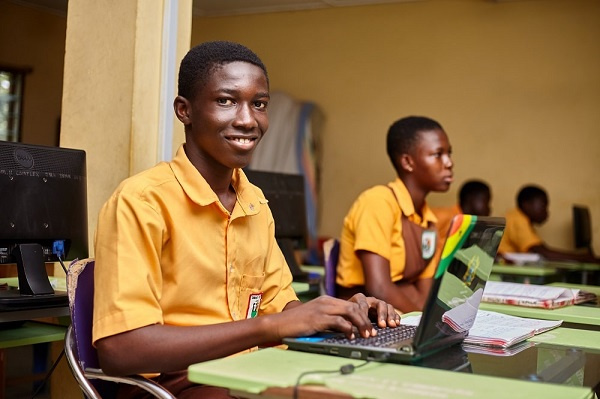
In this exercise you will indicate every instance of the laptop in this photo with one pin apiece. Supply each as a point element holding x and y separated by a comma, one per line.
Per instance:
<point>451,307</point>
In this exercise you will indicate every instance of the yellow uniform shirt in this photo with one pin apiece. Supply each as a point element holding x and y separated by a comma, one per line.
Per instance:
<point>374,224</point>
<point>519,234</point>
<point>168,252</point>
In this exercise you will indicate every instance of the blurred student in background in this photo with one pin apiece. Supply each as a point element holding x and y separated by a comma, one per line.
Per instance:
<point>474,198</point>
<point>520,235</point>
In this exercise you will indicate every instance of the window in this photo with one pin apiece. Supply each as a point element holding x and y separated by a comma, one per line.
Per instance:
<point>11,101</point>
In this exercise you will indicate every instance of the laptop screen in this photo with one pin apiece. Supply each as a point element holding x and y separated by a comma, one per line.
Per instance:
<point>463,270</point>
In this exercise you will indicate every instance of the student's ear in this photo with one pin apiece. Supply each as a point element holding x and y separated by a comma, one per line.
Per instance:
<point>406,163</point>
<point>182,108</point>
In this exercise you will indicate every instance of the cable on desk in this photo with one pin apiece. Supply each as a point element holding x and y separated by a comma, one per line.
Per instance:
<point>344,370</point>
<point>61,263</point>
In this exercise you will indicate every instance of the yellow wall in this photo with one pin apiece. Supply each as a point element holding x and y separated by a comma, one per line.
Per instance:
<point>35,39</point>
<point>515,84</point>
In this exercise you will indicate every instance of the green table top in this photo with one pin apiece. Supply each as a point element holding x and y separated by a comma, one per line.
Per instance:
<point>320,270</point>
<point>576,314</point>
<point>31,332</point>
<point>576,266</point>
<point>253,373</point>
<point>530,270</point>
<point>570,337</point>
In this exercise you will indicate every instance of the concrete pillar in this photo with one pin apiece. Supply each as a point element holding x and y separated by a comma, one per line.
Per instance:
<point>118,61</point>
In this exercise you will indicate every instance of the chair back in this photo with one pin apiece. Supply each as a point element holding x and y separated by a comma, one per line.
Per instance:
<point>81,354</point>
<point>80,290</point>
<point>331,253</point>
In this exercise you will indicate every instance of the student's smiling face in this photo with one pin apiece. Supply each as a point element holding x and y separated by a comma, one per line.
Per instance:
<point>432,162</point>
<point>227,117</point>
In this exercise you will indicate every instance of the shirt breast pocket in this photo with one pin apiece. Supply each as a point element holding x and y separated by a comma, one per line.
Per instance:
<point>250,294</point>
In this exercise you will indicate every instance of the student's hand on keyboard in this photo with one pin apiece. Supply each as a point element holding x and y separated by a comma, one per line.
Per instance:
<point>328,313</point>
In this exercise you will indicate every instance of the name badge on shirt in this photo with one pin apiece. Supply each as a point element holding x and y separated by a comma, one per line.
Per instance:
<point>253,305</point>
<point>428,243</point>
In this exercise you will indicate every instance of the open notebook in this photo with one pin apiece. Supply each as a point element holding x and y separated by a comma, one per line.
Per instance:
<point>451,307</point>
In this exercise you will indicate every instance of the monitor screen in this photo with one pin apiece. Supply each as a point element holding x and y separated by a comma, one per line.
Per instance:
<point>43,212</point>
<point>582,227</point>
<point>285,193</point>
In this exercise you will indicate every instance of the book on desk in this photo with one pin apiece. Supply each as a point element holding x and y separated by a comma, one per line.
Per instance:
<point>493,329</point>
<point>530,295</point>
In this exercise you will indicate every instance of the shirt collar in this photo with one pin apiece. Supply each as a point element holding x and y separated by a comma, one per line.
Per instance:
<point>406,204</point>
<point>200,192</point>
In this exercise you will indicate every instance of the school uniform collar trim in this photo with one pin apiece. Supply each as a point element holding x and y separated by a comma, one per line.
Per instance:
<point>192,182</point>
<point>406,203</point>
<point>200,192</point>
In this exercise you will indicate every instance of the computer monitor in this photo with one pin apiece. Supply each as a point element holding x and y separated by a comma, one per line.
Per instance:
<point>43,217</point>
<point>582,227</point>
<point>285,193</point>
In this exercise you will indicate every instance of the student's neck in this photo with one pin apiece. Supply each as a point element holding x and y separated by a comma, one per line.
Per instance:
<point>218,178</point>
<point>417,194</point>
<point>221,185</point>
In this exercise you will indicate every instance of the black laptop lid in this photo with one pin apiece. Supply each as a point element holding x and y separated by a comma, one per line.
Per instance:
<point>463,270</point>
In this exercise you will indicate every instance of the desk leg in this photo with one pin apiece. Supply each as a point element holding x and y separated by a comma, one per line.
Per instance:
<point>584,277</point>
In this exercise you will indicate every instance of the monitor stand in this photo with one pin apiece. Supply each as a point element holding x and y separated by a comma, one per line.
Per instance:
<point>35,290</point>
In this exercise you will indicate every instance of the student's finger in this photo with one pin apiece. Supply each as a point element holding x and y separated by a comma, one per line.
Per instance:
<point>343,325</point>
<point>358,313</point>
<point>386,314</point>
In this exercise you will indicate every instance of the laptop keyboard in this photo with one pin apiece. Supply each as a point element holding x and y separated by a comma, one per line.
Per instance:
<point>385,337</point>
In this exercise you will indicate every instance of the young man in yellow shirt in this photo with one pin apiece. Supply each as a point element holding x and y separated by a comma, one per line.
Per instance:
<point>187,267</point>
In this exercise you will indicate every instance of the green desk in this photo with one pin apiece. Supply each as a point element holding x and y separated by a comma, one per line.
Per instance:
<point>569,337</point>
<point>305,291</point>
<point>525,273</point>
<point>30,333</point>
<point>272,373</point>
<point>575,316</point>
<point>585,269</point>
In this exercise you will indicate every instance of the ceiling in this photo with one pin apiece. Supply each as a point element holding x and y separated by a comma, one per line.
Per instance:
<point>230,7</point>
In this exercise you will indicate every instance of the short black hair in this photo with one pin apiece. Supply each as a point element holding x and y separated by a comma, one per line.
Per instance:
<point>404,133</point>
<point>201,60</point>
<point>471,188</point>
<point>530,192</point>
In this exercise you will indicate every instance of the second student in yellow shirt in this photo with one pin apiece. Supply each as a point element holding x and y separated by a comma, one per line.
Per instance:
<point>388,240</point>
